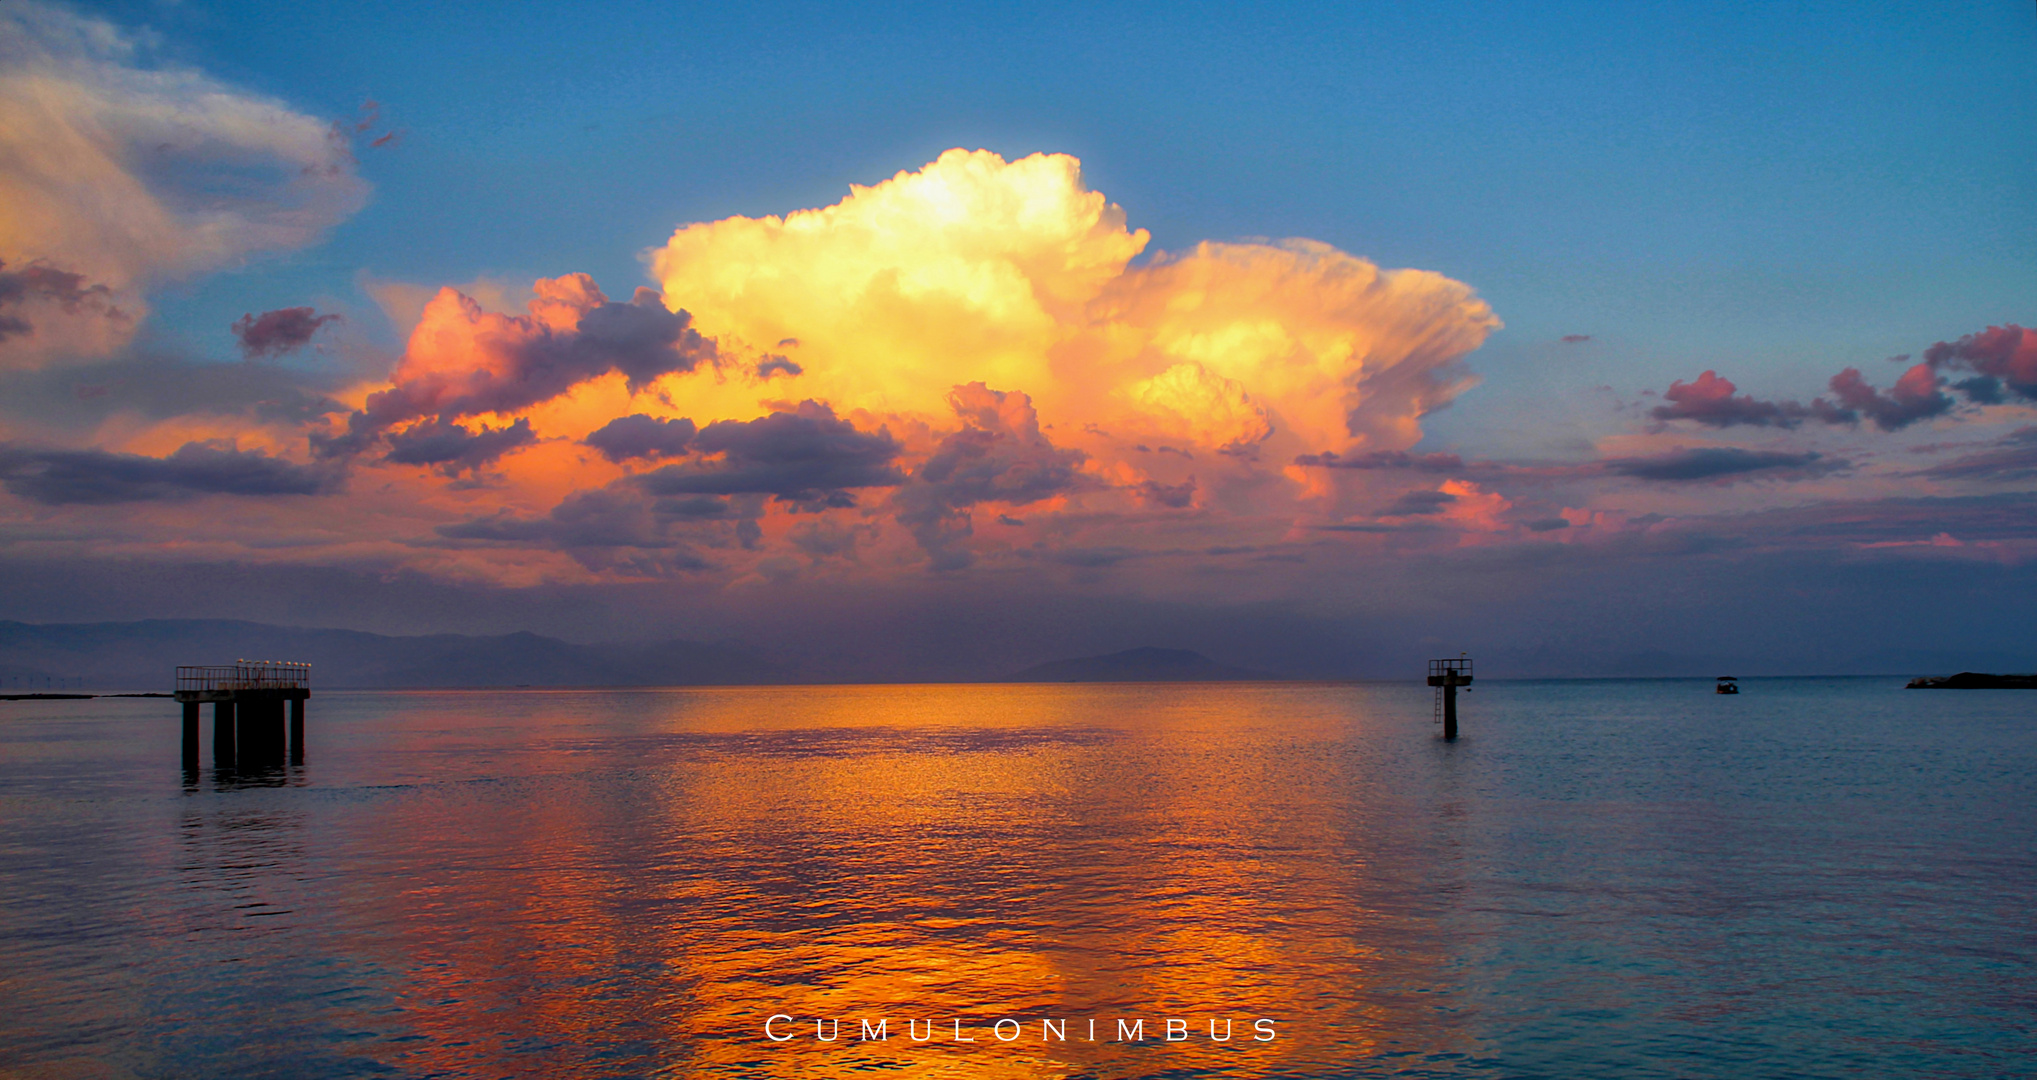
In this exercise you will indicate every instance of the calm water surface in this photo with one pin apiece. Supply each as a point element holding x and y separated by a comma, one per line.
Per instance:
<point>1819,878</point>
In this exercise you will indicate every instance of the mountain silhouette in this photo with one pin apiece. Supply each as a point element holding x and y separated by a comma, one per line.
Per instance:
<point>1138,665</point>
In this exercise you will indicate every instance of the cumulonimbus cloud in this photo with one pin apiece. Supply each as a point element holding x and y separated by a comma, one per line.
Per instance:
<point>980,334</point>
<point>1016,275</point>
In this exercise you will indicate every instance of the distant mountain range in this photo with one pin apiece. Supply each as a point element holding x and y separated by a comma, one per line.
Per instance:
<point>1559,664</point>
<point>144,655</point>
<point>141,656</point>
<point>1137,665</point>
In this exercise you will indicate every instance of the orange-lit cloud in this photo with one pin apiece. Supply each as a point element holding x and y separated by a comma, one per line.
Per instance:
<point>1015,275</point>
<point>977,367</point>
<point>463,360</point>
<point>987,324</point>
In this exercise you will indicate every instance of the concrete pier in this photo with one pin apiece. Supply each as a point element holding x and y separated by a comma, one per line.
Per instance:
<point>190,735</point>
<point>223,734</point>
<point>1446,676</point>
<point>248,701</point>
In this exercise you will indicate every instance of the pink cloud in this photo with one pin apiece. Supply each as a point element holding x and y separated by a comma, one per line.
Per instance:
<point>1998,355</point>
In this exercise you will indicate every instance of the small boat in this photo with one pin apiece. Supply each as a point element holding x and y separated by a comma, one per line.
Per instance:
<point>1728,685</point>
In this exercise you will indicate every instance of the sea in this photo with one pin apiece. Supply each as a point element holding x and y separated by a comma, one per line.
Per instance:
<point>1632,879</point>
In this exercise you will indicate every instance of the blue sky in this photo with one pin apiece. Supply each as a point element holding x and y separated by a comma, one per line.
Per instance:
<point>1778,190</point>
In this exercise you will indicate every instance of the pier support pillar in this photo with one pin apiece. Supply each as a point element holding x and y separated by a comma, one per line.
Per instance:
<point>268,730</point>
<point>1449,710</point>
<point>222,734</point>
<point>190,735</point>
<point>296,731</point>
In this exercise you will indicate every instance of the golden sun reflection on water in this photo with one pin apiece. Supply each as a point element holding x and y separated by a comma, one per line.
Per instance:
<point>932,855</point>
<point>1602,879</point>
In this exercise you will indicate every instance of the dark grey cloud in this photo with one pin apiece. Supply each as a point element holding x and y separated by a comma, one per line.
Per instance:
<point>603,517</point>
<point>158,383</point>
<point>100,477</point>
<point>1708,463</point>
<point>273,333</point>
<point>640,339</point>
<point>2007,517</point>
<point>694,508</point>
<point>1377,527</point>
<point>455,449</point>
<point>1915,396</point>
<point>1546,524</point>
<point>40,282</point>
<point>612,528</point>
<point>1384,459</point>
<point>775,365</point>
<point>2014,458</point>
<point>998,457</point>
<point>641,436</point>
<point>807,455</point>
<point>1174,496</point>
<point>825,539</point>
<point>2000,356</point>
<point>1092,558</point>
<point>1981,390</point>
<point>1419,503</point>
<point>1719,463</point>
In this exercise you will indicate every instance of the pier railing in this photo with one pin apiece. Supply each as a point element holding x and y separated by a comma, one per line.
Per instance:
<point>1459,668</point>
<point>246,675</point>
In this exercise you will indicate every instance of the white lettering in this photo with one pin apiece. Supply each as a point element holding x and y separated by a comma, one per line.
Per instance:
<point>1137,1032</point>
<point>958,1033</point>
<point>827,1038</point>
<point>1213,1031</point>
<point>1265,1026</point>
<point>997,1029</point>
<point>913,1031</point>
<point>1060,1032</point>
<point>878,1034</point>
<point>769,1034</point>
<point>1174,1025</point>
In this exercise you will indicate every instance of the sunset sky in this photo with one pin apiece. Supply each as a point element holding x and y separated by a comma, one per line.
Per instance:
<point>938,341</point>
